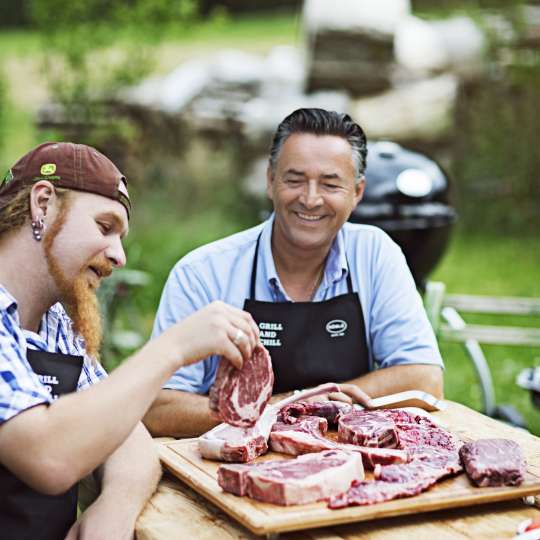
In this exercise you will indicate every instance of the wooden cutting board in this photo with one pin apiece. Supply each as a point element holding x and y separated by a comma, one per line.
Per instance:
<point>183,460</point>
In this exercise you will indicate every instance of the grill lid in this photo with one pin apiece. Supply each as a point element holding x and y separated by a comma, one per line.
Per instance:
<point>404,190</point>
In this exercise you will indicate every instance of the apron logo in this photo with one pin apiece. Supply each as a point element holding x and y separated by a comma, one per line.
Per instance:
<point>336,328</point>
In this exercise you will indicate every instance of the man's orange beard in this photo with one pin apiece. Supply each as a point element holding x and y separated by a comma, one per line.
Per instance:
<point>77,296</point>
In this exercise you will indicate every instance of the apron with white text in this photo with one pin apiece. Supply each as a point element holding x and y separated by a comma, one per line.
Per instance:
<point>26,514</point>
<point>311,342</point>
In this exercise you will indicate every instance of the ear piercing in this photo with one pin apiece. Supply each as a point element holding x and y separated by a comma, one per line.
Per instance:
<point>37,228</point>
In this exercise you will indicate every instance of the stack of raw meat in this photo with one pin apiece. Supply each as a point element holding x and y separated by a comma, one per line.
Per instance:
<point>407,452</point>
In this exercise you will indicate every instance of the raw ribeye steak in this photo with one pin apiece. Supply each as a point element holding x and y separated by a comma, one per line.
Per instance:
<point>368,428</point>
<point>494,462</point>
<point>239,396</point>
<point>306,479</point>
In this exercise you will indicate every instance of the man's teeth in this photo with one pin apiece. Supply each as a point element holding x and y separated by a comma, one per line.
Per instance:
<point>308,217</point>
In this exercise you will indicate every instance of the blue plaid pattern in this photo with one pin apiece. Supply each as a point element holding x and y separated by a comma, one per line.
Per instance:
<point>20,387</point>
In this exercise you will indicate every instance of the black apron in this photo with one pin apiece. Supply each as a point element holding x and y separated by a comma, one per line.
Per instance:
<point>26,514</point>
<point>311,342</point>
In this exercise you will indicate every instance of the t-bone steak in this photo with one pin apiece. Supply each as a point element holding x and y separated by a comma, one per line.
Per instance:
<point>494,462</point>
<point>306,479</point>
<point>240,445</point>
<point>239,396</point>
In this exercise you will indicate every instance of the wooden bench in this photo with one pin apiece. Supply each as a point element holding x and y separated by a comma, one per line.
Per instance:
<point>443,311</point>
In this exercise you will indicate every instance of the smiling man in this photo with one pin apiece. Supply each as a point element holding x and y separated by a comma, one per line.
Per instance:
<point>334,301</point>
<point>64,210</point>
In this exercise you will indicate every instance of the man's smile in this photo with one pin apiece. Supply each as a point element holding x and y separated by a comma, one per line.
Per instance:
<point>308,217</point>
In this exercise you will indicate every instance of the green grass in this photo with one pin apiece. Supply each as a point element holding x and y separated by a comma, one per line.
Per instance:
<point>498,266</point>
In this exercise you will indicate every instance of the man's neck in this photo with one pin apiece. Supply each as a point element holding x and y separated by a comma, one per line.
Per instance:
<point>24,274</point>
<point>300,271</point>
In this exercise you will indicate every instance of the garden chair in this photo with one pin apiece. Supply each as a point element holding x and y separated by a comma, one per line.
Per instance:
<point>443,311</point>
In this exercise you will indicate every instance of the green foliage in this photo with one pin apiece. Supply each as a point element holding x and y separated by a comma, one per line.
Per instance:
<point>82,63</point>
<point>3,107</point>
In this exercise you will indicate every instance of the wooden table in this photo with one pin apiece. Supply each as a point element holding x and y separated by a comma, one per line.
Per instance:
<point>177,512</point>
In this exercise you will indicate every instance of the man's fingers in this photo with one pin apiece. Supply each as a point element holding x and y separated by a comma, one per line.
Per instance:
<point>357,395</point>
<point>232,353</point>
<point>340,396</point>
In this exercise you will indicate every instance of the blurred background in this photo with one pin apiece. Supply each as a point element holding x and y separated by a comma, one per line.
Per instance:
<point>184,96</point>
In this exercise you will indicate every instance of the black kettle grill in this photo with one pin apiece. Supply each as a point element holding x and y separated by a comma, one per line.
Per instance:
<point>407,195</point>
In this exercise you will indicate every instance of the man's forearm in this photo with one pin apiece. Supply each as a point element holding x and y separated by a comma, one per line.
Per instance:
<point>179,414</point>
<point>395,379</point>
<point>130,476</point>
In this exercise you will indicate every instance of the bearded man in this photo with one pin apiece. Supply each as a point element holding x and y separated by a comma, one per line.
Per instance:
<point>64,210</point>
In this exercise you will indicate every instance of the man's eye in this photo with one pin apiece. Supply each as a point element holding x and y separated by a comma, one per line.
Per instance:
<point>104,227</point>
<point>293,181</point>
<point>331,186</point>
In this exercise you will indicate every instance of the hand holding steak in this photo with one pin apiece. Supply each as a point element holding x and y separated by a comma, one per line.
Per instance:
<point>239,396</point>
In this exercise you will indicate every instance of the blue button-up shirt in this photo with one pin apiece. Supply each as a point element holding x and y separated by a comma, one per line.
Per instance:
<point>397,329</point>
<point>20,387</point>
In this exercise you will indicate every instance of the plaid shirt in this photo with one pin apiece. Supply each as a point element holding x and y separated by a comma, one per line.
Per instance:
<point>20,387</point>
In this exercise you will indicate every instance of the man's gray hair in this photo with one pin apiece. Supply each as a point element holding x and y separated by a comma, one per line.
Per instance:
<point>321,122</point>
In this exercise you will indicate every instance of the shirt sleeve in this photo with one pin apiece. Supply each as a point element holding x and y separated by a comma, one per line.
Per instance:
<point>400,330</point>
<point>20,387</point>
<point>183,294</point>
<point>91,373</point>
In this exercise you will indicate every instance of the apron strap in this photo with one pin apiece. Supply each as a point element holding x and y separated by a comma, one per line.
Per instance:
<point>254,272</point>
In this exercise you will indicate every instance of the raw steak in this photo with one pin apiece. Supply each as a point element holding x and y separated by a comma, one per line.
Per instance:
<point>433,454</point>
<point>364,493</point>
<point>236,444</point>
<point>308,478</point>
<point>325,409</point>
<point>239,396</point>
<point>411,435</point>
<point>368,428</point>
<point>307,435</point>
<point>494,462</point>
<point>404,480</point>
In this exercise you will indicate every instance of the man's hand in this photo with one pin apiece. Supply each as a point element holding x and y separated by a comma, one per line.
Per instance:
<point>350,393</point>
<point>217,329</point>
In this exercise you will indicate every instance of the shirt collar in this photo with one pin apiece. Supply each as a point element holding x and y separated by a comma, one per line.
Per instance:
<point>336,263</point>
<point>7,302</point>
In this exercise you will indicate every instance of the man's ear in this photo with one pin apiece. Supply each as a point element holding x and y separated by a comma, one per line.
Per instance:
<point>359,189</point>
<point>269,182</point>
<point>42,199</point>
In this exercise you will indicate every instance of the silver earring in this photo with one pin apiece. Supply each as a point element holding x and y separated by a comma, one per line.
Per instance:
<point>37,229</point>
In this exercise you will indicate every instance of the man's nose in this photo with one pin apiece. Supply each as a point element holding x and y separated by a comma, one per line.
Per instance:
<point>311,196</point>
<point>116,254</point>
